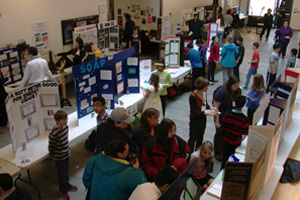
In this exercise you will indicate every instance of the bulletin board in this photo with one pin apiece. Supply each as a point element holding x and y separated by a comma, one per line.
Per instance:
<point>88,34</point>
<point>10,61</point>
<point>127,71</point>
<point>172,51</point>
<point>68,26</point>
<point>31,112</point>
<point>87,78</point>
<point>108,35</point>
<point>143,13</point>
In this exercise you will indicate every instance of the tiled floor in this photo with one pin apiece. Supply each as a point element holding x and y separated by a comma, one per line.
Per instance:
<point>44,174</point>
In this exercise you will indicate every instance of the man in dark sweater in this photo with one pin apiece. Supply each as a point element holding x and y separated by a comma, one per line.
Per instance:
<point>196,26</point>
<point>235,124</point>
<point>129,26</point>
<point>268,21</point>
<point>115,127</point>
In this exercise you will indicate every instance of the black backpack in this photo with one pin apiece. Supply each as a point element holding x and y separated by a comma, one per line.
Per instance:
<point>89,143</point>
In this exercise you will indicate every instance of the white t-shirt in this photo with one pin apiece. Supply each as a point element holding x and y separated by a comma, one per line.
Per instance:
<point>275,60</point>
<point>146,191</point>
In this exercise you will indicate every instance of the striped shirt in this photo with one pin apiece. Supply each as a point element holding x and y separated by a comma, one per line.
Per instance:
<point>235,124</point>
<point>59,143</point>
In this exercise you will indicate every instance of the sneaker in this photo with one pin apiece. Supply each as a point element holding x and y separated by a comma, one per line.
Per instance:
<point>215,81</point>
<point>65,194</point>
<point>211,83</point>
<point>71,188</point>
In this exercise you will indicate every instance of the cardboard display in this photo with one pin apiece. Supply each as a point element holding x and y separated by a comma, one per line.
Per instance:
<point>212,31</point>
<point>94,78</point>
<point>31,112</point>
<point>242,180</point>
<point>145,71</point>
<point>172,51</point>
<point>163,27</point>
<point>10,61</point>
<point>266,128</point>
<point>127,72</point>
<point>108,35</point>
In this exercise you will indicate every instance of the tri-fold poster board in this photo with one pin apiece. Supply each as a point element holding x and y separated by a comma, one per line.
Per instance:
<point>88,34</point>
<point>10,61</point>
<point>110,80</point>
<point>172,51</point>
<point>31,112</point>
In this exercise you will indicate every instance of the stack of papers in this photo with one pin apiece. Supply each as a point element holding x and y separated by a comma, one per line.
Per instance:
<point>215,190</point>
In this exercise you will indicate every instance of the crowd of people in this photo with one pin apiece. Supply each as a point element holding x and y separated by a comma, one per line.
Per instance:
<point>142,161</point>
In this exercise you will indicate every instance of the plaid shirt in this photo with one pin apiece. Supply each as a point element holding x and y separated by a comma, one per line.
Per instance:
<point>291,62</point>
<point>102,119</point>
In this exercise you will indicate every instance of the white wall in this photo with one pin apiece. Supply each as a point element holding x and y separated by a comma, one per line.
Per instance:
<point>124,4</point>
<point>175,7</point>
<point>295,25</point>
<point>18,15</point>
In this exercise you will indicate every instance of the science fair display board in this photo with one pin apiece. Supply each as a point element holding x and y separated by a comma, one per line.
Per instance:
<point>212,31</point>
<point>10,61</point>
<point>127,72</point>
<point>91,79</point>
<point>145,72</point>
<point>88,34</point>
<point>242,180</point>
<point>163,27</point>
<point>108,35</point>
<point>31,112</point>
<point>265,130</point>
<point>172,51</point>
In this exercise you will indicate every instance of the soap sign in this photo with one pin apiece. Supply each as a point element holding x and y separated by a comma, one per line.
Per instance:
<point>93,65</point>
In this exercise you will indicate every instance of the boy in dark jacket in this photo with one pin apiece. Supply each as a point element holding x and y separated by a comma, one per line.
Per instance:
<point>235,124</point>
<point>268,21</point>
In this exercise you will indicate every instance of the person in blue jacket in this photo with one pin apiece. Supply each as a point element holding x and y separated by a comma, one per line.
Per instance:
<point>228,62</point>
<point>197,67</point>
<point>110,176</point>
<point>202,50</point>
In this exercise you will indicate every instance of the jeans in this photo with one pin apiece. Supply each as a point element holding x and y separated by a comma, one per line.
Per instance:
<point>197,129</point>
<point>163,100</point>
<point>283,47</point>
<point>227,72</point>
<point>62,173</point>
<point>270,80</point>
<point>251,71</point>
<point>250,113</point>
<point>211,71</point>
<point>227,151</point>
<point>263,32</point>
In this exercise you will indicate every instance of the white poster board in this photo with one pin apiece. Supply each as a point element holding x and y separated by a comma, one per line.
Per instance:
<point>40,35</point>
<point>145,71</point>
<point>31,112</point>
<point>87,33</point>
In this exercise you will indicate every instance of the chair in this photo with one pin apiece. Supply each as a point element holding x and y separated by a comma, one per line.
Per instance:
<point>193,190</point>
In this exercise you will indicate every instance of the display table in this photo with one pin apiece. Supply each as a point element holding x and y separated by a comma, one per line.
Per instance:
<point>7,167</point>
<point>265,194</point>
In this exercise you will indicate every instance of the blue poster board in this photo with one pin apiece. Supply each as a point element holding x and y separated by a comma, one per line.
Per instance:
<point>127,72</point>
<point>10,61</point>
<point>87,84</point>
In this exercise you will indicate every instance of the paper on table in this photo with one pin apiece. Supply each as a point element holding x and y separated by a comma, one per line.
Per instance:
<point>87,90</point>
<point>107,96</point>
<point>215,190</point>
<point>132,61</point>
<point>274,114</point>
<point>105,75</point>
<point>92,80</point>
<point>86,77</point>
<point>133,82</point>
<point>174,47</point>
<point>173,59</point>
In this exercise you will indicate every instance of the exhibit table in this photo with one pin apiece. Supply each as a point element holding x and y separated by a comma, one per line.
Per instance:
<point>7,167</point>
<point>264,194</point>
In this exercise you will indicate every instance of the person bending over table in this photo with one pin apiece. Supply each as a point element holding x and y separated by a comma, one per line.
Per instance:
<point>110,176</point>
<point>165,149</point>
<point>152,191</point>
<point>36,70</point>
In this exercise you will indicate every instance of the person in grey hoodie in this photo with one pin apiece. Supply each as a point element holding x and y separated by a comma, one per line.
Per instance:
<point>228,62</point>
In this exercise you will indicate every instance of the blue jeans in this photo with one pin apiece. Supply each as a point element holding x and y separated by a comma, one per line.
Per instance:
<point>62,173</point>
<point>252,71</point>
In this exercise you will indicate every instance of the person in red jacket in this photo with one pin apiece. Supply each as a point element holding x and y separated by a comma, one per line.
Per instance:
<point>165,149</point>
<point>213,59</point>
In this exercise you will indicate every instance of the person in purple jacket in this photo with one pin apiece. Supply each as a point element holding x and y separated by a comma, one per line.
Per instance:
<point>285,33</point>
